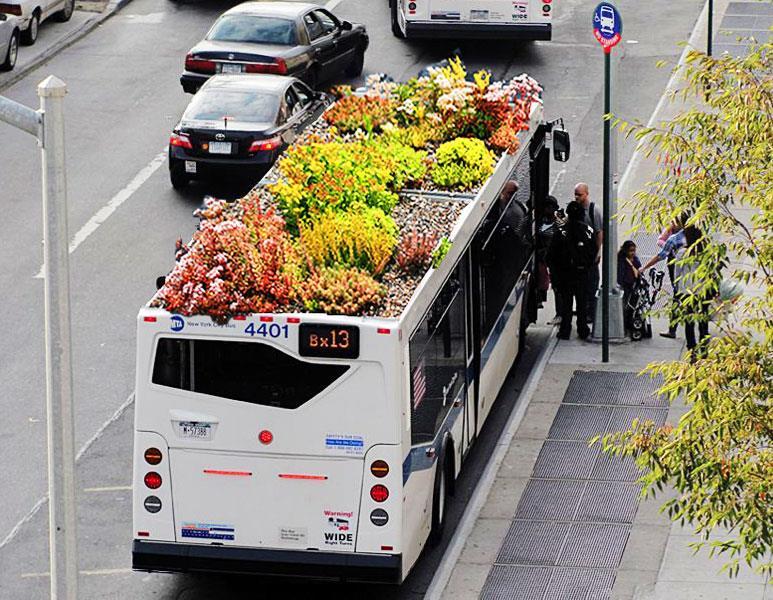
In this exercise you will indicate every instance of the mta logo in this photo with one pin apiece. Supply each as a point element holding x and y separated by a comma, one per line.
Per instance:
<point>177,323</point>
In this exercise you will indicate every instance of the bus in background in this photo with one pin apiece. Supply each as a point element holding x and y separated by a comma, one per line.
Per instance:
<point>324,445</point>
<point>460,19</point>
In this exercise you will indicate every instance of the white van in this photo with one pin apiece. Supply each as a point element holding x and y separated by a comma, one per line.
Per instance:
<point>32,13</point>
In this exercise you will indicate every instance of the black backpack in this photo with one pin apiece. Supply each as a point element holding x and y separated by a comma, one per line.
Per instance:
<point>580,246</point>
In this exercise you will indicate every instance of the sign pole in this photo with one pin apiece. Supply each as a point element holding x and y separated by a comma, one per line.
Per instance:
<point>710,27</point>
<point>607,193</point>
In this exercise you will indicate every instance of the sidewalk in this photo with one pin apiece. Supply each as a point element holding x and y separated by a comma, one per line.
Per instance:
<point>561,520</point>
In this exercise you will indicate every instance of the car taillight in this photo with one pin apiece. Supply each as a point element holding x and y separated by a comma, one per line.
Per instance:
<point>153,456</point>
<point>379,468</point>
<point>153,480</point>
<point>278,67</point>
<point>199,65</point>
<point>379,492</point>
<point>11,9</point>
<point>180,139</point>
<point>265,145</point>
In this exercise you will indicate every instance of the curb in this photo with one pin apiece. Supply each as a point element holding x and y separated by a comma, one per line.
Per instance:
<point>478,498</point>
<point>66,41</point>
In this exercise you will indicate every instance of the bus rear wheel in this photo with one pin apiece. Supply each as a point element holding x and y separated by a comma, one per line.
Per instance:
<point>440,493</point>
<point>395,24</point>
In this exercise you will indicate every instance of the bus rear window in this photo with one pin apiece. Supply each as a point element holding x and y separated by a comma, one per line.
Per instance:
<point>245,371</point>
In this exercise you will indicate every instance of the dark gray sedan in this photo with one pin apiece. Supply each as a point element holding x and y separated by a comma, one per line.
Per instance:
<point>240,123</point>
<point>283,38</point>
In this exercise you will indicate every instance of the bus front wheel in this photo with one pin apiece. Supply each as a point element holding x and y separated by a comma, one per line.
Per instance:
<point>395,24</point>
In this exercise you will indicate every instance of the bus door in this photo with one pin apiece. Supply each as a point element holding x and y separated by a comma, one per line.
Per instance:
<point>465,274</point>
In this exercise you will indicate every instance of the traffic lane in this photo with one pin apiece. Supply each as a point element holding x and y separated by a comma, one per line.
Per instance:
<point>112,131</point>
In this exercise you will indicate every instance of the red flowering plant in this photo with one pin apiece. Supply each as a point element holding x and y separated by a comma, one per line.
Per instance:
<point>414,252</point>
<point>369,113</point>
<point>235,264</point>
<point>341,291</point>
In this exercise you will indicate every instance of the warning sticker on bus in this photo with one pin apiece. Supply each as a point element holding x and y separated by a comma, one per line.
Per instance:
<point>350,444</point>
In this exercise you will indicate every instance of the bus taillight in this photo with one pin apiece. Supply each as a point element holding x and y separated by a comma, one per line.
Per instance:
<point>266,437</point>
<point>153,480</point>
<point>379,492</point>
<point>379,468</point>
<point>153,456</point>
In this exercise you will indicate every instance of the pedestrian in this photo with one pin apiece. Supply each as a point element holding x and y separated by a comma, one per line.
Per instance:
<point>628,273</point>
<point>673,228</point>
<point>549,221</point>
<point>572,253</point>
<point>593,218</point>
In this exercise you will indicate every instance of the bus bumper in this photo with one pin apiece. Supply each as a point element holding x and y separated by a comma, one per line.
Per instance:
<point>500,31</point>
<point>181,558</point>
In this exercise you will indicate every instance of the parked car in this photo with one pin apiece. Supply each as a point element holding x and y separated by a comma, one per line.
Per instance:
<point>9,41</point>
<point>285,38</point>
<point>32,13</point>
<point>242,122</point>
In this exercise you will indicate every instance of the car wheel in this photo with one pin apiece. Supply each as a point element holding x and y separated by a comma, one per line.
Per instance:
<point>395,24</point>
<point>29,35</point>
<point>440,495</point>
<point>177,174</point>
<point>355,68</point>
<point>13,52</point>
<point>64,15</point>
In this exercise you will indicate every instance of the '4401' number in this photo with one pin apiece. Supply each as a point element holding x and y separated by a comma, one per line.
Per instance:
<point>274,330</point>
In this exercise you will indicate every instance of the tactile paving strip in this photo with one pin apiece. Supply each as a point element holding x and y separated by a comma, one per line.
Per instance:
<point>614,468</point>
<point>565,460</point>
<point>578,422</point>
<point>580,584</point>
<point>509,583</point>
<point>613,389</point>
<point>623,417</point>
<point>594,545</point>
<point>533,543</point>
<point>609,502</point>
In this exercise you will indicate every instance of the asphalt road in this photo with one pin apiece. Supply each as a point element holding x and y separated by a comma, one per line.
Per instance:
<point>123,99</point>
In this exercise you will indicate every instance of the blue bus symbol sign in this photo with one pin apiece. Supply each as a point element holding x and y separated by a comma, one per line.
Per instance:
<point>607,25</point>
<point>177,323</point>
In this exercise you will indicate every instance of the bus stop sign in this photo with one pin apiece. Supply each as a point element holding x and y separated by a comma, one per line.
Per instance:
<point>607,25</point>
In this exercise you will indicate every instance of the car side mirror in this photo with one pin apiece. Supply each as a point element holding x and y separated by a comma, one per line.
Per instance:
<point>160,281</point>
<point>3,17</point>
<point>346,25</point>
<point>561,145</point>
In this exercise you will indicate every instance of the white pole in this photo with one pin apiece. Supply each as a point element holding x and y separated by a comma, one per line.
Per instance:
<point>59,408</point>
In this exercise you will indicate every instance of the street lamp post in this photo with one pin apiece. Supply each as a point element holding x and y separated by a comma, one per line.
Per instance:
<point>47,125</point>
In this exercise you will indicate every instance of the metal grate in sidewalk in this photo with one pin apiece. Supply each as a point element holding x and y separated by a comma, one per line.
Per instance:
<point>574,517</point>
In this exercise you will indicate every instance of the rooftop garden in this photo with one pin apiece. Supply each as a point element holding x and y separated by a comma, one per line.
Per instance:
<point>337,230</point>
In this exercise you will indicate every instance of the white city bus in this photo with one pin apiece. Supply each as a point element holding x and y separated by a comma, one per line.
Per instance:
<point>325,445</point>
<point>499,19</point>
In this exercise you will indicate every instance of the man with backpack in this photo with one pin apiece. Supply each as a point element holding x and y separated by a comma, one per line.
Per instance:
<point>572,254</point>
<point>593,218</point>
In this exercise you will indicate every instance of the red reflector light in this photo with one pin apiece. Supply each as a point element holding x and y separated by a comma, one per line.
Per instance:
<point>143,534</point>
<point>149,319</point>
<point>387,548</point>
<point>379,492</point>
<point>278,67</point>
<point>301,476</point>
<point>266,145</point>
<point>11,9</point>
<point>199,65</point>
<point>379,468</point>
<point>232,473</point>
<point>180,140</point>
<point>266,437</point>
<point>153,480</point>
<point>153,456</point>
<point>240,318</point>
<point>383,330</point>
<point>293,320</point>
<point>266,319</point>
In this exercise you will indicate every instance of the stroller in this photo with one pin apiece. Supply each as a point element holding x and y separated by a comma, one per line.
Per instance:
<point>640,300</point>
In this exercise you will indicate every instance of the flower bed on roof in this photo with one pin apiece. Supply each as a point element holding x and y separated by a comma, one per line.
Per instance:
<point>333,233</point>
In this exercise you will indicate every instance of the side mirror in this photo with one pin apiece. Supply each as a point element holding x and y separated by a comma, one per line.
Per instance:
<point>160,281</point>
<point>561,145</point>
<point>346,25</point>
<point>3,17</point>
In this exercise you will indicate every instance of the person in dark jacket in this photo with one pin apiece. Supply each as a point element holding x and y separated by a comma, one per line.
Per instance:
<point>572,253</point>
<point>628,272</point>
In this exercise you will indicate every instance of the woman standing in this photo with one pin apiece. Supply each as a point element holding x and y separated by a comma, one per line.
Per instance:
<point>628,272</point>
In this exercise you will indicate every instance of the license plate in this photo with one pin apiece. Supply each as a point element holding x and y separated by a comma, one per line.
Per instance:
<point>228,68</point>
<point>220,147</point>
<point>190,166</point>
<point>199,431</point>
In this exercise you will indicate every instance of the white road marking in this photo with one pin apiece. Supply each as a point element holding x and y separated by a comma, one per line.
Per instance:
<point>108,209</point>
<point>559,177</point>
<point>89,572</point>
<point>41,501</point>
<point>111,488</point>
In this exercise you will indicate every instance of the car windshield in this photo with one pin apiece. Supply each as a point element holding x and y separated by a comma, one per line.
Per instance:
<point>237,105</point>
<point>253,29</point>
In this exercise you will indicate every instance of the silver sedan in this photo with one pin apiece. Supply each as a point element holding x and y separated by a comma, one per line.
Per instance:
<point>9,41</point>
